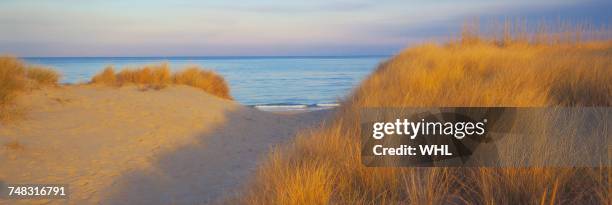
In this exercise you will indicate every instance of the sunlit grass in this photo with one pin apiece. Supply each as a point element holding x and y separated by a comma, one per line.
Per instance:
<point>472,71</point>
<point>17,77</point>
<point>155,75</point>
<point>159,76</point>
<point>206,80</point>
<point>42,76</point>
<point>106,77</point>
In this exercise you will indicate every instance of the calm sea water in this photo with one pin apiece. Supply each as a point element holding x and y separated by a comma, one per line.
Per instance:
<point>296,81</point>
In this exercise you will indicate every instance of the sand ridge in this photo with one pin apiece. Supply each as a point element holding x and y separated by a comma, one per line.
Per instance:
<point>130,145</point>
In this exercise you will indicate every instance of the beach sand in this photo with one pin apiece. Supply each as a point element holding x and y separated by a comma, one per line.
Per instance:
<point>127,145</point>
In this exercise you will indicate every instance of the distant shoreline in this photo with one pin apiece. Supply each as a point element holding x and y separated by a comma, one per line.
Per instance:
<point>211,57</point>
<point>284,107</point>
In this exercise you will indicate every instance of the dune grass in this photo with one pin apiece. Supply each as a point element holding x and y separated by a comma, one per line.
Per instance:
<point>42,76</point>
<point>323,165</point>
<point>106,77</point>
<point>206,80</point>
<point>17,77</point>
<point>11,79</point>
<point>159,76</point>
<point>155,75</point>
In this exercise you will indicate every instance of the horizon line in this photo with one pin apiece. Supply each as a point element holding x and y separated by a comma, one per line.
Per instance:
<point>216,56</point>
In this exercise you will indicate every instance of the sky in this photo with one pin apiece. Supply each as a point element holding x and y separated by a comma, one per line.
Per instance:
<point>255,28</point>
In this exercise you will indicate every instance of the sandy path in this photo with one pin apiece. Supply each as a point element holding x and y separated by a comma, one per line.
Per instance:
<point>177,145</point>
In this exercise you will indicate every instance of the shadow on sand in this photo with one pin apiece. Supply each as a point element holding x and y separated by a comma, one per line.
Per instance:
<point>215,166</point>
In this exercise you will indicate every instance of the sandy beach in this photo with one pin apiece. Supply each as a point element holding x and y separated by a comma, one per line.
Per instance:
<point>128,145</point>
<point>305,102</point>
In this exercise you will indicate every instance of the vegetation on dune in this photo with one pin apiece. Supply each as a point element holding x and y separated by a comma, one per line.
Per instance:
<point>42,76</point>
<point>11,79</point>
<point>323,166</point>
<point>16,77</point>
<point>159,76</point>
<point>156,75</point>
<point>206,80</point>
<point>106,77</point>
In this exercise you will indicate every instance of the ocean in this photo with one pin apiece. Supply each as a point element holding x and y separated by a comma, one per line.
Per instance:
<point>264,82</point>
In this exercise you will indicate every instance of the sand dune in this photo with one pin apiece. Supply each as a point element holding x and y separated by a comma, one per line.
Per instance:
<point>126,145</point>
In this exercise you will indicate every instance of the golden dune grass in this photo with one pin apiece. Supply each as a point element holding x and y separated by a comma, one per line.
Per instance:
<point>156,75</point>
<point>11,79</point>
<point>106,77</point>
<point>206,80</point>
<point>16,77</point>
<point>159,76</point>
<point>325,162</point>
<point>42,76</point>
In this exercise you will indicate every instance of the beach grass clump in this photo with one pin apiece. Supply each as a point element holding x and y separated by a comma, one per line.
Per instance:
<point>42,76</point>
<point>17,77</point>
<point>11,79</point>
<point>159,76</point>
<point>106,77</point>
<point>477,71</point>
<point>206,80</point>
<point>153,75</point>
